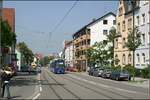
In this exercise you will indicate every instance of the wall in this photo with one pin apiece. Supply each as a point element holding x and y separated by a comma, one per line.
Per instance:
<point>143,28</point>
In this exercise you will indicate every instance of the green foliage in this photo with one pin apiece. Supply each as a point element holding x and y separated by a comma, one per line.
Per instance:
<point>131,69</point>
<point>7,36</point>
<point>98,53</point>
<point>77,53</point>
<point>134,39</point>
<point>28,54</point>
<point>45,60</point>
<point>146,72</point>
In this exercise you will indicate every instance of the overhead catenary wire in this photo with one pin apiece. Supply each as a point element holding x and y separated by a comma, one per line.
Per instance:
<point>61,21</point>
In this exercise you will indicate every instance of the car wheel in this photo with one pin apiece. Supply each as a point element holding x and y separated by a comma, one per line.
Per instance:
<point>117,78</point>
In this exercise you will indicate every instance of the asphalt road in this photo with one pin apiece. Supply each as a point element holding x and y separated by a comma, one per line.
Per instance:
<point>71,85</point>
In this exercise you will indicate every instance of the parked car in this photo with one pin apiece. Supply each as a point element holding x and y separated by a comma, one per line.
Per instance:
<point>75,70</point>
<point>91,71</point>
<point>32,70</point>
<point>14,70</point>
<point>38,69</point>
<point>106,73</point>
<point>120,75</point>
<point>25,68</point>
<point>98,72</point>
<point>71,69</point>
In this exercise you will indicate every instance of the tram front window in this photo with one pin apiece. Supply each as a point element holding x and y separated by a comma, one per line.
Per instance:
<point>60,65</point>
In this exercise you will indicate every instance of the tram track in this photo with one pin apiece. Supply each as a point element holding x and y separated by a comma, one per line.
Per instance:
<point>72,80</point>
<point>73,94</point>
<point>97,92</point>
<point>58,96</point>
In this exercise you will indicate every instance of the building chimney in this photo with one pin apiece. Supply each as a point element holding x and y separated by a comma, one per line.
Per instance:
<point>94,19</point>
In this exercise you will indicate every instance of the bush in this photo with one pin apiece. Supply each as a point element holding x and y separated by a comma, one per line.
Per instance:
<point>146,72</point>
<point>134,71</point>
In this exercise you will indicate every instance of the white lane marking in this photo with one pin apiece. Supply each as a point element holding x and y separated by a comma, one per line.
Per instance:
<point>106,86</point>
<point>125,90</point>
<point>40,88</point>
<point>36,96</point>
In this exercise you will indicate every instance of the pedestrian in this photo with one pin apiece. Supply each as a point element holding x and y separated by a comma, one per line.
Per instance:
<point>6,76</point>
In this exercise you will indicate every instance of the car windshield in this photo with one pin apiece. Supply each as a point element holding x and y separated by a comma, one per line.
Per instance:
<point>125,71</point>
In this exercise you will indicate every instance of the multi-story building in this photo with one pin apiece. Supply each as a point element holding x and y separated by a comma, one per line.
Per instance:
<point>124,24</point>
<point>9,14</point>
<point>69,54</point>
<point>100,27</point>
<point>17,51</point>
<point>142,21</point>
<point>81,43</point>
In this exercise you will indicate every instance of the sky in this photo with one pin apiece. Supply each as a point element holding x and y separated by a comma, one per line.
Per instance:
<point>35,21</point>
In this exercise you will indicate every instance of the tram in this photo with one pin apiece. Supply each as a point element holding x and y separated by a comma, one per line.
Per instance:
<point>57,66</point>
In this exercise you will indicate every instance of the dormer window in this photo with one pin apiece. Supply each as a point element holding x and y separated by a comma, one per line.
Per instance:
<point>129,6</point>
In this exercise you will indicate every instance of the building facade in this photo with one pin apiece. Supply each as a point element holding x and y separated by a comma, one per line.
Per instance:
<point>69,54</point>
<point>124,24</point>
<point>9,14</point>
<point>100,28</point>
<point>142,21</point>
<point>81,43</point>
<point>17,51</point>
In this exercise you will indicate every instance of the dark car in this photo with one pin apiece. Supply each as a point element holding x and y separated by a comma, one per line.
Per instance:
<point>106,73</point>
<point>24,68</point>
<point>38,69</point>
<point>120,75</point>
<point>91,71</point>
<point>32,70</point>
<point>98,72</point>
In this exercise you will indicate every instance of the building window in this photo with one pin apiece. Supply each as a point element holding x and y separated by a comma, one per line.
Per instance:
<point>129,6</point>
<point>123,59</point>
<point>138,20</point>
<point>143,39</point>
<point>146,1</point>
<point>88,31</point>
<point>114,22</point>
<point>120,1</point>
<point>124,41</point>
<point>88,41</point>
<point>105,21</point>
<point>118,27</point>
<point>148,38</point>
<point>123,26</point>
<point>143,18</point>
<point>104,32</point>
<point>129,24</point>
<point>138,58</point>
<point>148,16</point>
<point>116,58</point>
<point>116,43</point>
<point>143,57</point>
<point>120,11</point>
<point>129,58</point>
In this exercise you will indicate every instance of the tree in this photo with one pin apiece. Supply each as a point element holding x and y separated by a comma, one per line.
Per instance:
<point>7,36</point>
<point>110,39</point>
<point>28,54</point>
<point>134,41</point>
<point>45,60</point>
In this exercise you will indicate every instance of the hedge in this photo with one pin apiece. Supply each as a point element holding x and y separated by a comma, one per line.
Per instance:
<point>146,72</point>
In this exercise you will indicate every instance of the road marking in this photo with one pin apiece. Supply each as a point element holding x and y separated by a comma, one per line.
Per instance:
<point>36,96</point>
<point>40,88</point>
<point>125,90</point>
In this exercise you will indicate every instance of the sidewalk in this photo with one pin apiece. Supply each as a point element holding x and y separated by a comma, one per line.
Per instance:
<point>139,82</point>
